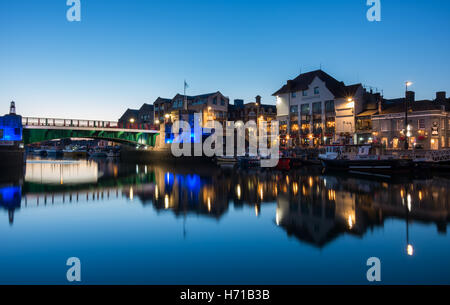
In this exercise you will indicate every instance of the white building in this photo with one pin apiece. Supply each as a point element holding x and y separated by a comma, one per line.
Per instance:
<point>316,109</point>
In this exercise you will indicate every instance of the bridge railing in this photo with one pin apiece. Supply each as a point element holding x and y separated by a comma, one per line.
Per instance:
<point>51,122</point>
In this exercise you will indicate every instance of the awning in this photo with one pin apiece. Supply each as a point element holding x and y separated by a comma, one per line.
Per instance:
<point>367,113</point>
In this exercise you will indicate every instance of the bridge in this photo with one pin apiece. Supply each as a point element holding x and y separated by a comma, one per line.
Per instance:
<point>36,130</point>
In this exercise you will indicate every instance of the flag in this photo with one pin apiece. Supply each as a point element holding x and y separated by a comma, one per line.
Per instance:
<point>185,85</point>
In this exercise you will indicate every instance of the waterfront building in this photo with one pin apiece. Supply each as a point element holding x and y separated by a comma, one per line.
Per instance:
<point>316,109</point>
<point>428,123</point>
<point>144,115</point>
<point>255,111</point>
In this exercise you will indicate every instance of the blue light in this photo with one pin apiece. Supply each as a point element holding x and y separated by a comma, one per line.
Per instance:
<point>11,196</point>
<point>11,128</point>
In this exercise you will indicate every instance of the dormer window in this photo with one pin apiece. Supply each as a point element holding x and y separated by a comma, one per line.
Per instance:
<point>316,90</point>
<point>305,93</point>
<point>294,95</point>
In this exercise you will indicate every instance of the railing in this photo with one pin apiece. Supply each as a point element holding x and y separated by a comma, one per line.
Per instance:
<point>50,122</point>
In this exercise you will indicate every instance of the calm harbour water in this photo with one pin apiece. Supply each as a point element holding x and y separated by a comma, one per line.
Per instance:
<point>151,224</point>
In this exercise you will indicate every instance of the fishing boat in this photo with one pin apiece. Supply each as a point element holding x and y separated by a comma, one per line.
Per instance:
<point>365,161</point>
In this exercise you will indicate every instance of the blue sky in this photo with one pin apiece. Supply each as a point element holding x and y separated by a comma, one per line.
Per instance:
<point>125,53</point>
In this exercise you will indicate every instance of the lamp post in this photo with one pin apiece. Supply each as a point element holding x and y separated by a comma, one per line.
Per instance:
<point>406,116</point>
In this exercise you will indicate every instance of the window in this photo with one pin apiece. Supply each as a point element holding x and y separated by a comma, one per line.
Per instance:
<point>329,106</point>
<point>421,124</point>
<point>215,101</point>
<point>395,143</point>
<point>294,95</point>
<point>294,109</point>
<point>316,90</point>
<point>222,102</point>
<point>400,125</point>
<point>305,109</point>
<point>442,124</point>
<point>305,93</point>
<point>443,142</point>
<point>385,125</point>
<point>317,108</point>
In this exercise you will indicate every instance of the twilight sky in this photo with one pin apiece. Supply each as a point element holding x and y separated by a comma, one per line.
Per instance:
<point>127,52</point>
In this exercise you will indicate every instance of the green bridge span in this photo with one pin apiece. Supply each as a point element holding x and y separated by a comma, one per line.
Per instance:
<point>41,130</point>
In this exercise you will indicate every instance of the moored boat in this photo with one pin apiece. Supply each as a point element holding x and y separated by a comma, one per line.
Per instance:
<point>364,162</point>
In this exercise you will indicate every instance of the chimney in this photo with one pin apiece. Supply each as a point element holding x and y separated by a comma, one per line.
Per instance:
<point>290,84</point>
<point>12,108</point>
<point>379,103</point>
<point>410,96</point>
<point>258,100</point>
<point>441,96</point>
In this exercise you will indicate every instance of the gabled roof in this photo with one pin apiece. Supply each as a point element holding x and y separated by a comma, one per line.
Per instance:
<point>162,100</point>
<point>146,106</point>
<point>303,81</point>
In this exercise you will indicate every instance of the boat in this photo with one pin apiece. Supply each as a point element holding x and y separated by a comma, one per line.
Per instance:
<point>98,154</point>
<point>283,164</point>
<point>434,159</point>
<point>364,162</point>
<point>55,153</point>
<point>74,153</point>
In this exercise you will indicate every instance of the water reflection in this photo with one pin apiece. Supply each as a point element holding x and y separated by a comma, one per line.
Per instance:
<point>312,207</point>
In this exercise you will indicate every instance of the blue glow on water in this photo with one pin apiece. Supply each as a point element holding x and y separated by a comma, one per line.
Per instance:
<point>10,196</point>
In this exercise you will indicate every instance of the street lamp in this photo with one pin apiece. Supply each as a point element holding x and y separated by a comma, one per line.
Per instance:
<point>407,84</point>
<point>131,120</point>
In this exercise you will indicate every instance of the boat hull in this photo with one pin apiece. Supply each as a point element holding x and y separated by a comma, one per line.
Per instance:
<point>369,166</point>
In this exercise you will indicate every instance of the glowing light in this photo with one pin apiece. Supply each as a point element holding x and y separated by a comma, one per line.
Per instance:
<point>295,188</point>
<point>166,202</point>
<point>350,222</point>
<point>256,210</point>
<point>156,192</point>
<point>408,84</point>
<point>311,182</point>
<point>420,195</point>
<point>409,202</point>
<point>131,193</point>
<point>132,121</point>
<point>410,250</point>
<point>209,204</point>
<point>157,122</point>
<point>261,193</point>
<point>238,191</point>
